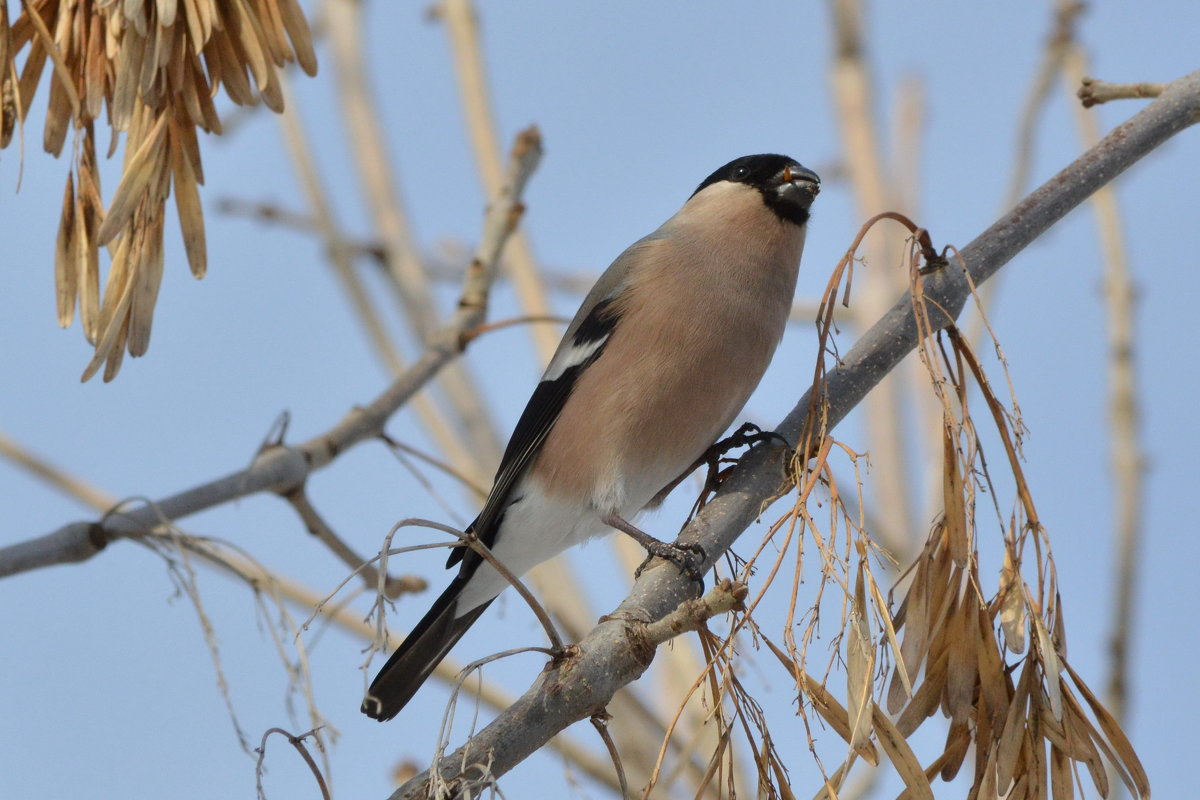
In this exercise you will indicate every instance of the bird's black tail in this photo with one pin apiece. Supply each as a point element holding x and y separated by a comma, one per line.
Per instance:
<point>419,654</point>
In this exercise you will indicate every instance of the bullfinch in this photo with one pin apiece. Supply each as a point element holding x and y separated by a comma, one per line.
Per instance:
<point>660,358</point>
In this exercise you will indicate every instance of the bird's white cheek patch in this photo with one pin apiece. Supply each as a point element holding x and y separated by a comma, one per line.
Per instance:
<point>572,357</point>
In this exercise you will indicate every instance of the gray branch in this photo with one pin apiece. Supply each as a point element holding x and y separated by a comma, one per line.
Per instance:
<point>617,651</point>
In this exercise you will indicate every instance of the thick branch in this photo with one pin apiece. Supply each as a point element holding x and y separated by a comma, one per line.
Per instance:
<point>281,468</point>
<point>614,653</point>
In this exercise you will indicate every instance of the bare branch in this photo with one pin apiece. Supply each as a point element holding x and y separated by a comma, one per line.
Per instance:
<point>614,653</point>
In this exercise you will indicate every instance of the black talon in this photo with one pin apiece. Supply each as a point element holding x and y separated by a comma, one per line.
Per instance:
<point>688,558</point>
<point>747,435</point>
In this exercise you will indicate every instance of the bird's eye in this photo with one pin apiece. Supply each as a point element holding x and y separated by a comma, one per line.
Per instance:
<point>741,173</point>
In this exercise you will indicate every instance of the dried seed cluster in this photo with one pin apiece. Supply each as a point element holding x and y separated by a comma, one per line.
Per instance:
<point>155,67</point>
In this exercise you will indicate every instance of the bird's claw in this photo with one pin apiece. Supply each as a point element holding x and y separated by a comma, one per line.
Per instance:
<point>689,558</point>
<point>749,434</point>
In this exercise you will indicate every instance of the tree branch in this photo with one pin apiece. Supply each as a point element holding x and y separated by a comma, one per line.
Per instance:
<point>615,653</point>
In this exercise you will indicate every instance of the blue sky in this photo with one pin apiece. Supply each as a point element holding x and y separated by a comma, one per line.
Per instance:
<point>107,685</point>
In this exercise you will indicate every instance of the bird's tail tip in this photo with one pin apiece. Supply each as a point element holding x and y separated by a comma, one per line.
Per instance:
<point>418,655</point>
<point>372,706</point>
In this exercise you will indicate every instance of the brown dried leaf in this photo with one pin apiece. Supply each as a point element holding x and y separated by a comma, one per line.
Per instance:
<point>5,40</point>
<point>113,365</point>
<point>300,34</point>
<point>885,614</point>
<point>272,95</point>
<point>8,108</point>
<point>1078,733</point>
<point>58,117</point>
<point>1012,603</point>
<point>927,697</point>
<point>901,756</point>
<point>187,203</point>
<point>1082,726</point>
<point>860,665</point>
<point>1115,735</point>
<point>995,685</point>
<point>1035,755</point>
<point>65,274</point>
<point>1012,735</point>
<point>271,24</point>
<point>958,741</point>
<point>198,31</point>
<point>140,169</point>
<point>148,278</point>
<point>1051,666</point>
<point>952,495</point>
<point>166,12</point>
<point>1062,779</point>
<point>916,622</point>
<point>125,82</point>
<point>115,306</point>
<point>228,67</point>
<point>87,216</point>
<point>95,69</point>
<point>247,40</point>
<point>51,49</point>
<point>1056,733</point>
<point>31,77</point>
<point>963,675</point>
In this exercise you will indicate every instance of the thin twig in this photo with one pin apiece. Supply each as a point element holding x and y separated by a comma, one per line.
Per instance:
<point>600,722</point>
<point>296,742</point>
<point>1093,92</point>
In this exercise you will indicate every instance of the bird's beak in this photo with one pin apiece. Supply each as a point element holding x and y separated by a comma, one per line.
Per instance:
<point>801,179</point>
<point>798,185</point>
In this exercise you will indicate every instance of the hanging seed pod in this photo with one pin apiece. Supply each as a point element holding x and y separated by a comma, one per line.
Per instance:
<point>156,65</point>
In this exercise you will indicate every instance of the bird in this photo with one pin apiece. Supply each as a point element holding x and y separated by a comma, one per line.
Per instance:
<point>660,358</point>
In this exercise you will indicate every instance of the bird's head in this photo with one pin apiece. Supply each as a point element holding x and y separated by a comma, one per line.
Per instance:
<point>786,186</point>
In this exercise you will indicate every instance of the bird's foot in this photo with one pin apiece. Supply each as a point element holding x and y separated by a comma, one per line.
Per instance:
<point>688,557</point>
<point>748,434</point>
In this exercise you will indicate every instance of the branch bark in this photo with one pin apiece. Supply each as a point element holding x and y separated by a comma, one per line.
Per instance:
<point>616,651</point>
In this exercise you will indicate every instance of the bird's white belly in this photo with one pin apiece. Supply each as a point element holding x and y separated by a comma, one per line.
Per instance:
<point>535,529</point>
